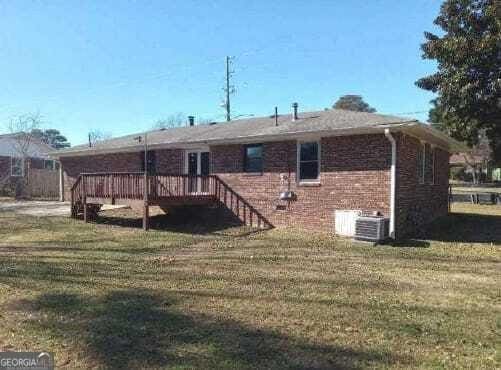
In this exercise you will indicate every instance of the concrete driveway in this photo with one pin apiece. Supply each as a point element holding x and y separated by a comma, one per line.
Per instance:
<point>40,208</point>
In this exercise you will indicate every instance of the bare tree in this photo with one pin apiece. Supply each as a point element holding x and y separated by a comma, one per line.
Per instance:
<point>96,136</point>
<point>173,120</point>
<point>21,129</point>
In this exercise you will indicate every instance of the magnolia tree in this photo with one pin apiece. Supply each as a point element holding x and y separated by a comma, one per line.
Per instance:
<point>468,77</point>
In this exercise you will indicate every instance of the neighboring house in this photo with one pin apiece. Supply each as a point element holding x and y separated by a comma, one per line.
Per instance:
<point>293,170</point>
<point>20,155</point>
<point>475,165</point>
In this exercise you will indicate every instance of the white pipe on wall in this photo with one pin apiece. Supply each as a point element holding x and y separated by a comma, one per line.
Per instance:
<point>393,186</point>
<point>61,182</point>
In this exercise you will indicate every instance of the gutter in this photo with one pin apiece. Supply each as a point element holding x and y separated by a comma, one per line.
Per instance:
<point>393,186</point>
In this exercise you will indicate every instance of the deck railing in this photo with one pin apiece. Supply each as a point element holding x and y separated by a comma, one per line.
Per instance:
<point>130,186</point>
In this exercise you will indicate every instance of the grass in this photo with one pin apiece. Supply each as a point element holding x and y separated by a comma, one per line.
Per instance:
<point>107,296</point>
<point>478,188</point>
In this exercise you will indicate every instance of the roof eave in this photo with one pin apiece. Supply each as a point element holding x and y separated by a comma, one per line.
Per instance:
<point>423,130</point>
<point>216,141</point>
<point>412,127</point>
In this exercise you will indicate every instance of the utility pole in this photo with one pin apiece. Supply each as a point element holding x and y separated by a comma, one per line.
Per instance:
<point>229,89</point>
<point>146,204</point>
<point>146,213</point>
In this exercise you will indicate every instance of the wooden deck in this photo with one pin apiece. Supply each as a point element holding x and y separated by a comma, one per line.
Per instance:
<point>129,188</point>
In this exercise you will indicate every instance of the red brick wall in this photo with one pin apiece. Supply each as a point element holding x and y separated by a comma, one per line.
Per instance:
<point>167,161</point>
<point>117,162</point>
<point>354,175</point>
<point>418,204</point>
<point>170,161</point>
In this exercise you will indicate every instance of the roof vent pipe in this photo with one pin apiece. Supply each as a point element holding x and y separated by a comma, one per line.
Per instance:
<point>191,120</point>
<point>294,111</point>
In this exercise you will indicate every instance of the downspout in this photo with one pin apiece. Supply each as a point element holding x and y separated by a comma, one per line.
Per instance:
<point>393,186</point>
<point>61,182</point>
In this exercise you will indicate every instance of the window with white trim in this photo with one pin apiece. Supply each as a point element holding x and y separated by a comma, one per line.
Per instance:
<point>309,161</point>
<point>253,158</point>
<point>433,161</point>
<point>421,163</point>
<point>16,167</point>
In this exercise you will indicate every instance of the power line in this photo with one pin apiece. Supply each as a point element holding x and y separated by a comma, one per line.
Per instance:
<point>407,113</point>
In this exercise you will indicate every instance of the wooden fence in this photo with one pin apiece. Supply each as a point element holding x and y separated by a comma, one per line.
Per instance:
<point>42,183</point>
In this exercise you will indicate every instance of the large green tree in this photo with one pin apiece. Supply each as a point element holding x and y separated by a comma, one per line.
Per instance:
<point>468,79</point>
<point>51,137</point>
<point>353,102</point>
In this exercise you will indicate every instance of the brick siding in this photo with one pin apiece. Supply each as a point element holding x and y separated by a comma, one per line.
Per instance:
<point>355,175</point>
<point>167,161</point>
<point>349,179</point>
<point>418,204</point>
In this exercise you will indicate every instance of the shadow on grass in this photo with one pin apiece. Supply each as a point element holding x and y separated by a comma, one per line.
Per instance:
<point>200,220</point>
<point>408,243</point>
<point>466,228</point>
<point>456,227</point>
<point>132,329</point>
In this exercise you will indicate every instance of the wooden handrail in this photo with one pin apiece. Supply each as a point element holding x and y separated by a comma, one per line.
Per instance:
<point>130,186</point>
<point>112,173</point>
<point>235,202</point>
<point>76,183</point>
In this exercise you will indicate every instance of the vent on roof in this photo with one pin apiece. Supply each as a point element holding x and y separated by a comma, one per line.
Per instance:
<point>294,111</point>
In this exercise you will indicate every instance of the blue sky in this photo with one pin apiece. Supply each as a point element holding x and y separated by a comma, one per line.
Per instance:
<point>119,66</point>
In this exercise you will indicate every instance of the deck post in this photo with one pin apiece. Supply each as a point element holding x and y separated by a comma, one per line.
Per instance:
<point>84,198</point>
<point>146,207</point>
<point>61,182</point>
<point>85,208</point>
<point>146,216</point>
<point>72,203</point>
<point>112,190</point>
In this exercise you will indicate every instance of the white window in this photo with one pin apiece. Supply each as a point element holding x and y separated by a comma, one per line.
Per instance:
<point>421,165</point>
<point>17,167</point>
<point>308,160</point>
<point>433,161</point>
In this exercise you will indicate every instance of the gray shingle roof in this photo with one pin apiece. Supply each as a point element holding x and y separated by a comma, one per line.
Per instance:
<point>308,122</point>
<point>11,147</point>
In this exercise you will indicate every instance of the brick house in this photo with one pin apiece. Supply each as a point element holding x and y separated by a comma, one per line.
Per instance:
<point>20,155</point>
<point>293,170</point>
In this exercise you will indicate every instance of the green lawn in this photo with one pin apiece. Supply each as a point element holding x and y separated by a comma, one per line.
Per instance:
<point>108,296</point>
